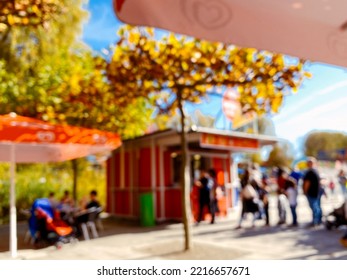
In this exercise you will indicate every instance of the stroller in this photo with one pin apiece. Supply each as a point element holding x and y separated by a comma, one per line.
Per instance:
<point>336,218</point>
<point>46,227</point>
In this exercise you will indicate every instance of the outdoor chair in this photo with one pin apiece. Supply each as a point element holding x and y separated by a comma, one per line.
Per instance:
<point>90,222</point>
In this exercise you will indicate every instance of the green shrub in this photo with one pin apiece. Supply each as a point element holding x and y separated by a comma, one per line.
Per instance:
<point>38,180</point>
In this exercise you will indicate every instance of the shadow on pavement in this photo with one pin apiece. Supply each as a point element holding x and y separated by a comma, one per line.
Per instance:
<point>110,226</point>
<point>200,251</point>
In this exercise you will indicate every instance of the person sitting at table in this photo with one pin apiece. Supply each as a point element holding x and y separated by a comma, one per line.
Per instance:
<point>52,200</point>
<point>67,199</point>
<point>93,200</point>
<point>66,207</point>
<point>83,216</point>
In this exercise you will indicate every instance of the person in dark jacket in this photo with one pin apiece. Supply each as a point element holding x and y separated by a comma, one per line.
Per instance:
<point>93,200</point>
<point>204,195</point>
<point>311,188</point>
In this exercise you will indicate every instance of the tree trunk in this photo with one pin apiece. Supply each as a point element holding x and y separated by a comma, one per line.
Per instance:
<point>74,163</point>
<point>185,181</point>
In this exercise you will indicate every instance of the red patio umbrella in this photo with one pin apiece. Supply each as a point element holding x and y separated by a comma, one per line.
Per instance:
<point>309,29</point>
<point>27,140</point>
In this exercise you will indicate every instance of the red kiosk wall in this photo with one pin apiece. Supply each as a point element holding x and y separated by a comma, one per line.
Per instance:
<point>167,169</point>
<point>145,169</point>
<point>158,185</point>
<point>157,164</point>
<point>228,190</point>
<point>113,174</point>
<point>173,202</point>
<point>122,200</point>
<point>172,196</point>
<point>219,165</point>
<point>108,185</point>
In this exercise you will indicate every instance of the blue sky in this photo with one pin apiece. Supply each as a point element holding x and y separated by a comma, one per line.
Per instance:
<point>320,104</point>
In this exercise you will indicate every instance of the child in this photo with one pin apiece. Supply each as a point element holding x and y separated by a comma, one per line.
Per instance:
<point>292,194</point>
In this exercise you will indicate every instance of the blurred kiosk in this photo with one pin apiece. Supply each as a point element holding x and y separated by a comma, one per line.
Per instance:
<point>144,174</point>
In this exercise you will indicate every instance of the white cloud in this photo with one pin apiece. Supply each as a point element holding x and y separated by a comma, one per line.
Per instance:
<point>324,111</point>
<point>293,110</point>
<point>332,88</point>
<point>328,116</point>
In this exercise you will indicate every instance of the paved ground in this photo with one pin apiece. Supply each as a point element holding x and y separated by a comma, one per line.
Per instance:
<point>124,240</point>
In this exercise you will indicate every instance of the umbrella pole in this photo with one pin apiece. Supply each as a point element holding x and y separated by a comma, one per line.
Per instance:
<point>13,214</point>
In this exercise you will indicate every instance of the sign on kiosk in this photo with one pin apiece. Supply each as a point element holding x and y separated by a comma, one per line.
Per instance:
<point>228,142</point>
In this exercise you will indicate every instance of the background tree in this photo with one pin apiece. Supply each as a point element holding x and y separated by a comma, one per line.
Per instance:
<point>266,126</point>
<point>85,100</point>
<point>280,156</point>
<point>175,69</point>
<point>259,125</point>
<point>28,12</point>
<point>37,38</point>
<point>31,54</point>
<point>325,145</point>
<point>46,72</point>
<point>256,158</point>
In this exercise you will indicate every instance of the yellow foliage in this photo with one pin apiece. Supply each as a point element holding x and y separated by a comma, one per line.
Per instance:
<point>308,75</point>
<point>185,66</point>
<point>74,82</point>
<point>276,103</point>
<point>11,20</point>
<point>150,31</point>
<point>272,71</point>
<point>35,9</point>
<point>189,67</point>
<point>134,38</point>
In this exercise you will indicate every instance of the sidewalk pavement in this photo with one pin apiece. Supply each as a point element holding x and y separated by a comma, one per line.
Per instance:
<point>126,241</point>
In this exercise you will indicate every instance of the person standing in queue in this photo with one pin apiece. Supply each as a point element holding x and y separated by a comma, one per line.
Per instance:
<point>204,195</point>
<point>212,186</point>
<point>311,188</point>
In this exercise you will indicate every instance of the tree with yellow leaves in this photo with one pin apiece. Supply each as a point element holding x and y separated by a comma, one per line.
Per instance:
<point>46,72</point>
<point>29,12</point>
<point>174,69</point>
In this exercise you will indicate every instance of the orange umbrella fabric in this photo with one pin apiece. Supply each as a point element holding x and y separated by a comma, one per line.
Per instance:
<point>27,140</point>
<point>38,141</point>
<point>309,29</point>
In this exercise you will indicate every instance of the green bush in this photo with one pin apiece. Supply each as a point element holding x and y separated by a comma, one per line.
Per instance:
<point>38,180</point>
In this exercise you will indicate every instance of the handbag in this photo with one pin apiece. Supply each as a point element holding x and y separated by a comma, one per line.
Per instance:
<point>249,192</point>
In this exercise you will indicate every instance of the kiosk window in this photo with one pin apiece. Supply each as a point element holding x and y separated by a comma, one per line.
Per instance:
<point>176,164</point>
<point>197,163</point>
